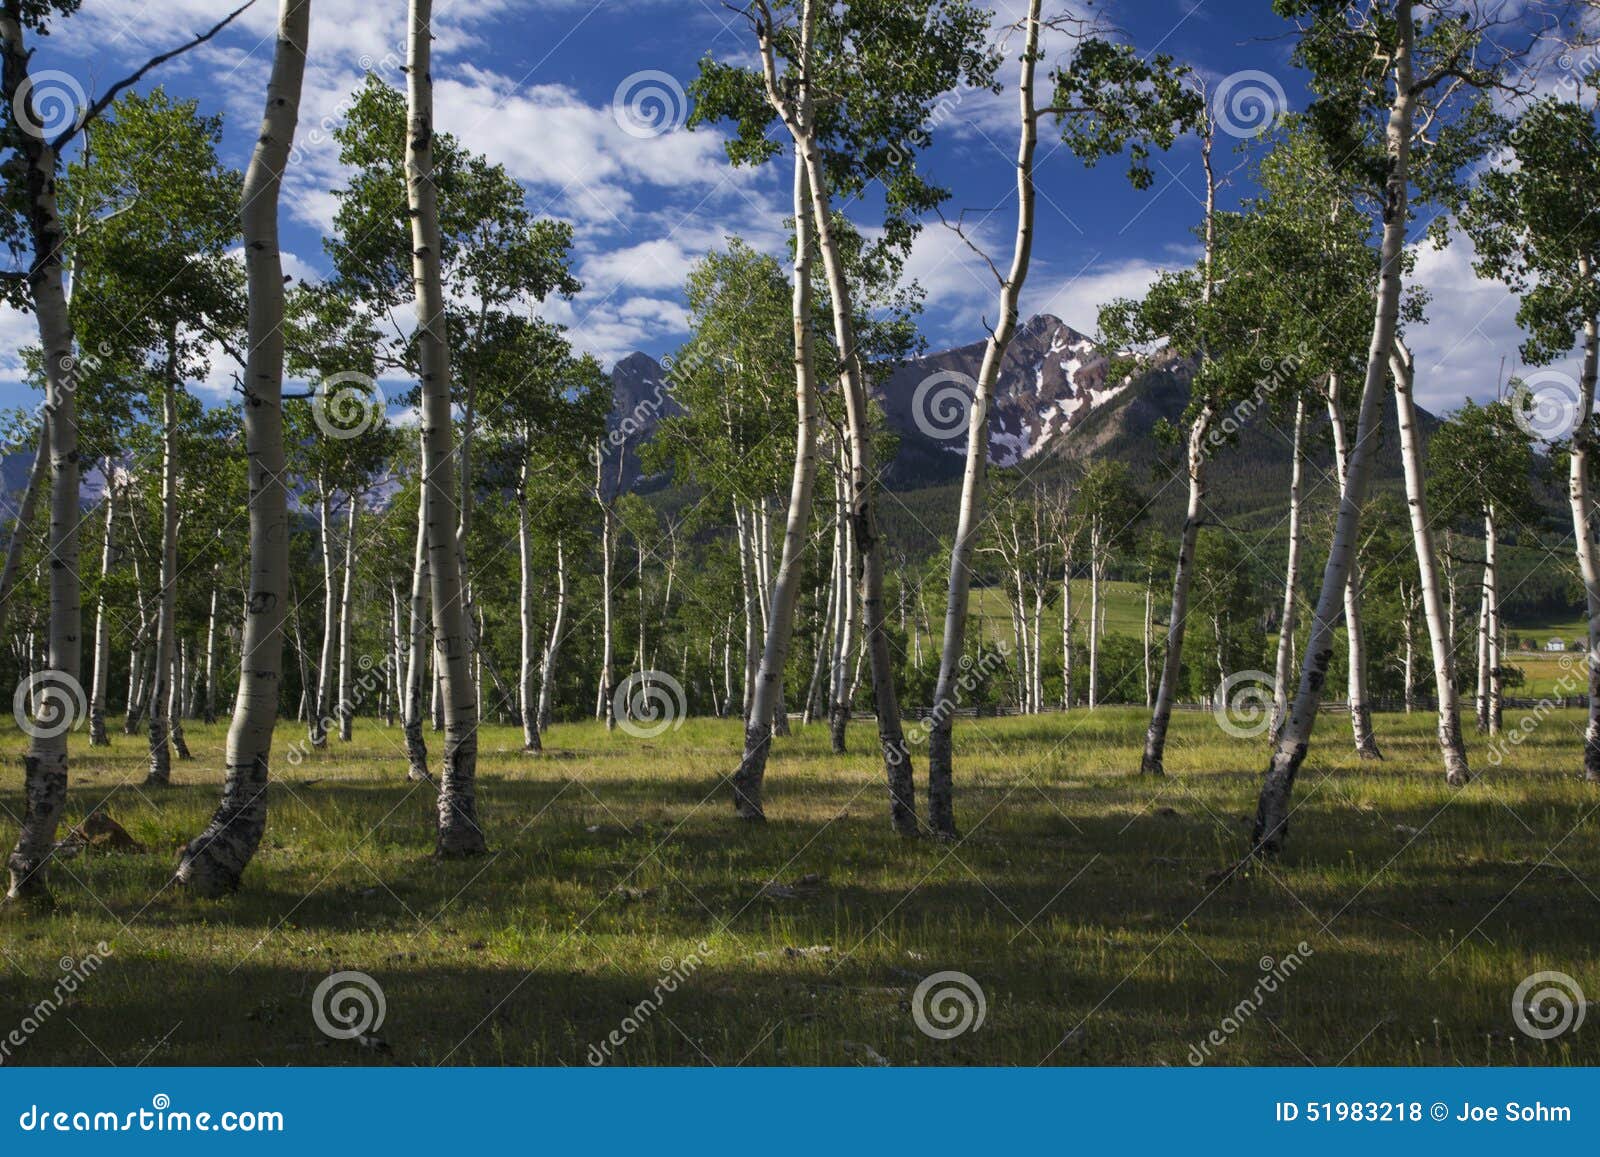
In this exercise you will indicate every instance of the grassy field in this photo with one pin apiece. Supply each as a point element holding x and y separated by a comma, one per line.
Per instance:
<point>1081,901</point>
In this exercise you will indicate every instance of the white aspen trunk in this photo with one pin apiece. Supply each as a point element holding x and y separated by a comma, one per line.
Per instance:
<point>1095,569</point>
<point>1272,810</point>
<point>163,695</point>
<point>527,705</point>
<point>1444,660</point>
<point>213,642</point>
<point>863,504</point>
<point>322,701</point>
<point>1408,633</point>
<point>102,625</point>
<point>767,701</point>
<point>974,479</point>
<point>1066,632</point>
<point>749,586</point>
<point>22,526</point>
<point>396,672</point>
<point>180,669</point>
<point>1491,591</point>
<point>1038,676</point>
<point>845,635</point>
<point>345,707</point>
<point>547,669</point>
<point>1481,703</point>
<point>1152,762</point>
<point>604,707</point>
<point>824,638</point>
<point>214,861</point>
<point>1149,689</point>
<point>458,832</point>
<point>416,655</point>
<point>1287,620</point>
<point>1360,708</point>
<point>1583,525</point>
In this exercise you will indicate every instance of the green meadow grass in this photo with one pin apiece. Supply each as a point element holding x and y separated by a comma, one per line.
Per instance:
<point>1081,900</point>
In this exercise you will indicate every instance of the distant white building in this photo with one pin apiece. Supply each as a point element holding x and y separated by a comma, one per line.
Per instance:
<point>1555,644</point>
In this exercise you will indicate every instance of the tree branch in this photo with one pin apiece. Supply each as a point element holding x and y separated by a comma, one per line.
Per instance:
<point>100,106</point>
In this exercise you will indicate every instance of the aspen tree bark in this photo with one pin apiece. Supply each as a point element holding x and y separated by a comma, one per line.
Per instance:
<point>844,635</point>
<point>768,698</point>
<point>22,526</point>
<point>214,861</point>
<point>552,649</point>
<point>605,707</point>
<point>1481,703</point>
<point>1155,738</point>
<point>459,833</point>
<point>163,688</point>
<point>213,664</point>
<point>863,512</point>
<point>321,713</point>
<point>1491,593</point>
<point>1583,524</point>
<point>1095,569</point>
<point>1360,706</point>
<point>102,625</point>
<point>174,704</point>
<point>416,655</point>
<point>344,706</point>
<point>1272,809</point>
<point>526,704</point>
<point>970,514</point>
<point>1287,619</point>
<point>1444,660</point>
<point>1152,762</point>
<point>1066,630</point>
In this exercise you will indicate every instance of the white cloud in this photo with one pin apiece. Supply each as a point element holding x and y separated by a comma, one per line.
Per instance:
<point>1471,326</point>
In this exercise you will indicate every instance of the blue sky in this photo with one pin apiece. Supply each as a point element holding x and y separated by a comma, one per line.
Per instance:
<point>535,84</point>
